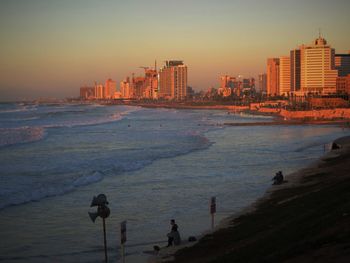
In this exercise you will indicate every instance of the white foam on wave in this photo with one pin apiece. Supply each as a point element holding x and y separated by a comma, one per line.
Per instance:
<point>95,177</point>
<point>33,188</point>
<point>95,121</point>
<point>9,136</point>
<point>70,124</point>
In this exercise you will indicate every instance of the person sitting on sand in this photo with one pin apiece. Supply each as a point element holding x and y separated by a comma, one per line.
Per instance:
<point>278,178</point>
<point>174,235</point>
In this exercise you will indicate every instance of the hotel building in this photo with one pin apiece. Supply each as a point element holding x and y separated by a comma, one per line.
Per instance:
<point>318,73</point>
<point>173,80</point>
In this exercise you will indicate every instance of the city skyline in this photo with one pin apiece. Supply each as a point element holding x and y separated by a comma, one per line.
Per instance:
<point>50,48</point>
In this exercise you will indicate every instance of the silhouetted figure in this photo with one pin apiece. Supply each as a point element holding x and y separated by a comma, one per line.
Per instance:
<point>174,235</point>
<point>156,249</point>
<point>278,178</point>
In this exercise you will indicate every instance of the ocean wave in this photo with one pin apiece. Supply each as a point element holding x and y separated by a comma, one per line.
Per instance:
<point>70,124</point>
<point>34,192</point>
<point>20,108</point>
<point>24,119</point>
<point>112,117</point>
<point>95,177</point>
<point>10,136</point>
<point>32,188</point>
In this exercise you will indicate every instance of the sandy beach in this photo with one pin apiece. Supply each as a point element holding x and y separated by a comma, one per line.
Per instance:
<point>305,219</point>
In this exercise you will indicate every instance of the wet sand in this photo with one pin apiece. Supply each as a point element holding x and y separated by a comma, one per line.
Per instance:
<point>306,219</point>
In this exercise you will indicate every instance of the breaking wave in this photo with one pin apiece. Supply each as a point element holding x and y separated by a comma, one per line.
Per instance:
<point>10,136</point>
<point>30,189</point>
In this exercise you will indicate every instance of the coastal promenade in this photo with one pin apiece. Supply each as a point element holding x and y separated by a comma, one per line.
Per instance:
<point>303,220</point>
<point>291,122</point>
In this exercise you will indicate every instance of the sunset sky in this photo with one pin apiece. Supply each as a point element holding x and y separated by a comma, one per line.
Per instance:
<point>51,48</point>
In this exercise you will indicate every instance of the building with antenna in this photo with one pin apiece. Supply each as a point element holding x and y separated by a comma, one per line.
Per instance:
<point>173,80</point>
<point>317,68</point>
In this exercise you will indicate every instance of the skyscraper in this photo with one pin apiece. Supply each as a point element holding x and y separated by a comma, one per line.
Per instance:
<point>318,73</point>
<point>109,89</point>
<point>151,84</point>
<point>125,89</point>
<point>284,76</point>
<point>294,70</point>
<point>87,92</point>
<point>99,91</point>
<point>138,86</point>
<point>273,72</point>
<point>173,80</point>
<point>224,81</point>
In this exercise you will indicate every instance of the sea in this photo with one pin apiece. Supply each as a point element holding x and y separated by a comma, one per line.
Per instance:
<point>152,164</point>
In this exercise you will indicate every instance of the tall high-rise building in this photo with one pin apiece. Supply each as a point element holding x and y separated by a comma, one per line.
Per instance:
<point>138,87</point>
<point>151,84</point>
<point>263,82</point>
<point>342,64</point>
<point>273,73</point>
<point>87,92</point>
<point>224,81</point>
<point>294,70</point>
<point>318,73</point>
<point>125,89</point>
<point>99,91</point>
<point>173,80</point>
<point>109,89</point>
<point>284,76</point>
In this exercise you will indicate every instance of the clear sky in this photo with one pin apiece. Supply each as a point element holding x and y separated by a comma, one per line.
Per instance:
<point>49,48</point>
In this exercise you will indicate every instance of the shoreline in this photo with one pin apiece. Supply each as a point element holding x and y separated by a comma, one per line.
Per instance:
<point>277,218</point>
<point>278,118</point>
<point>231,109</point>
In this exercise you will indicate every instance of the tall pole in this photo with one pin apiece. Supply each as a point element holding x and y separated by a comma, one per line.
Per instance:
<point>104,239</point>
<point>123,253</point>
<point>212,210</point>
<point>212,221</point>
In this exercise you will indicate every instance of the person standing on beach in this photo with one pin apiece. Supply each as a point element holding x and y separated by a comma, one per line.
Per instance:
<point>174,235</point>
